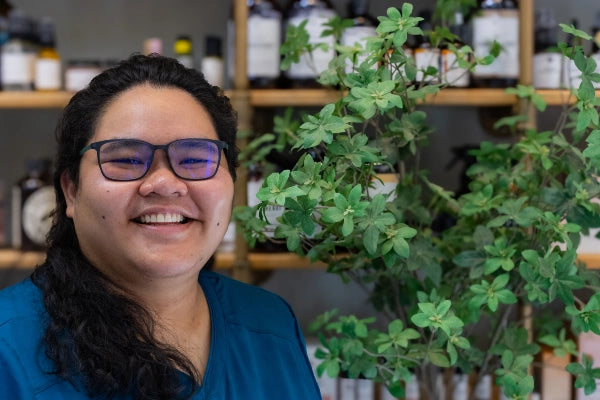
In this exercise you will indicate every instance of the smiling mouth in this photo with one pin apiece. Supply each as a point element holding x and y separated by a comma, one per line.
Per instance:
<point>167,218</point>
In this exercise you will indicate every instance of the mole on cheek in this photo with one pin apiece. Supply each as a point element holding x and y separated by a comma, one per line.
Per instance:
<point>103,217</point>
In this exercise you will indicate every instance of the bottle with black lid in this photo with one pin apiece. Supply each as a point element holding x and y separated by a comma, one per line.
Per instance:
<point>364,26</point>
<point>496,20</point>
<point>265,22</point>
<point>15,57</point>
<point>317,13</point>
<point>547,59</point>
<point>451,72</point>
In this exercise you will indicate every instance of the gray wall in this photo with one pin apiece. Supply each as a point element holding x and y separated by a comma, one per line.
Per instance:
<point>113,29</point>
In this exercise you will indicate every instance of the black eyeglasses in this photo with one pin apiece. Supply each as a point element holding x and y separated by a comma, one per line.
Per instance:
<point>130,159</point>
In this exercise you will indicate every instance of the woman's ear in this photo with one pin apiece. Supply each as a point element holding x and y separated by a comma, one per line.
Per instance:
<point>69,189</point>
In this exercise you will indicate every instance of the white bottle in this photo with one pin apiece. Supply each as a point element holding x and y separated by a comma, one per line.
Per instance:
<point>316,13</point>
<point>17,58</point>
<point>363,28</point>
<point>212,62</point>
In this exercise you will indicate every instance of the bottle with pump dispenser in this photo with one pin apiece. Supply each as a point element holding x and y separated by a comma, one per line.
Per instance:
<point>496,20</point>
<point>317,13</point>
<point>47,65</point>
<point>364,26</point>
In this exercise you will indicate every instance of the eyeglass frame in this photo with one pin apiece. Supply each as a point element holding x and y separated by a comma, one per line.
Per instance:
<point>221,145</point>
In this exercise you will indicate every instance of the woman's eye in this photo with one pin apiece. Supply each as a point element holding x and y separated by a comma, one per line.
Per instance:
<point>127,161</point>
<point>194,161</point>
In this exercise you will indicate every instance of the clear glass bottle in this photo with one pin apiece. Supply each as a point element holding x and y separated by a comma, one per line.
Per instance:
<point>15,58</point>
<point>317,13</point>
<point>496,20</point>
<point>547,59</point>
<point>183,49</point>
<point>364,26</point>
<point>47,65</point>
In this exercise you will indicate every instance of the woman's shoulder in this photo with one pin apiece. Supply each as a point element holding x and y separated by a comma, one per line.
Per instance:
<point>19,301</point>
<point>249,305</point>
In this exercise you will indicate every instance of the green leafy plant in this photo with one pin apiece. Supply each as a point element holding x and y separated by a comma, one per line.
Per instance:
<point>511,244</point>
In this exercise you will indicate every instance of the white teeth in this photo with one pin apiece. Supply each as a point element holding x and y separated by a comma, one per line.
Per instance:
<point>161,218</point>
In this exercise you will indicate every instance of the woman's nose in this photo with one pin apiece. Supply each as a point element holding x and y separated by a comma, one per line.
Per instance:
<point>160,179</point>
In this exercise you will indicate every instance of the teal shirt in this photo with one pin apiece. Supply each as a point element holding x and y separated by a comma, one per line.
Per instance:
<point>257,348</point>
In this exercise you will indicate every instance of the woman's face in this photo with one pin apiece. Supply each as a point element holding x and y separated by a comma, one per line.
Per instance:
<point>108,214</point>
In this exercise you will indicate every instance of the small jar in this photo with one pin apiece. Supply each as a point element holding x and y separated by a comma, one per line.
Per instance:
<point>79,73</point>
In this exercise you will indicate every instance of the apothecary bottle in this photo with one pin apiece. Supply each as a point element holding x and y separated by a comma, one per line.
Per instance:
<point>547,59</point>
<point>496,20</point>
<point>427,57</point>
<point>317,13</point>
<point>16,56</point>
<point>452,73</point>
<point>364,26</point>
<point>264,40</point>
<point>47,65</point>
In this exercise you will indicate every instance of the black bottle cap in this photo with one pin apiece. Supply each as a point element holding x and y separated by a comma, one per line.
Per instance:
<point>213,46</point>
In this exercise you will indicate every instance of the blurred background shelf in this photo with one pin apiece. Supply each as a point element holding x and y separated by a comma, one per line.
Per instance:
<point>11,258</point>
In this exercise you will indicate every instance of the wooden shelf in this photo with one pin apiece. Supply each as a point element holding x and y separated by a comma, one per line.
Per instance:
<point>32,100</point>
<point>310,97</point>
<point>11,258</point>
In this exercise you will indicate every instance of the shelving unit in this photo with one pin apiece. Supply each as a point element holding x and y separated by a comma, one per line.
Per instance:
<point>241,261</point>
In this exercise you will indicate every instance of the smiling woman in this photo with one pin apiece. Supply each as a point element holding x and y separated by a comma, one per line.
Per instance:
<point>122,306</point>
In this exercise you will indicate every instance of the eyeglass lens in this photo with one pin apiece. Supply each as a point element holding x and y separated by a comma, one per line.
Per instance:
<point>129,159</point>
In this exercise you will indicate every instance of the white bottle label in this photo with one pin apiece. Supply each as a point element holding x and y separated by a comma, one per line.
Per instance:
<point>571,77</point>
<point>311,67</point>
<point>412,391</point>
<point>452,74</point>
<point>47,74</point>
<point>357,35</point>
<point>264,36</point>
<point>272,212</point>
<point>503,27</point>
<point>212,68</point>
<point>16,69</point>
<point>547,69</point>
<point>425,58</point>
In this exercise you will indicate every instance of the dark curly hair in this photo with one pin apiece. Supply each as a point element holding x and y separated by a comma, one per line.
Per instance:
<point>93,332</point>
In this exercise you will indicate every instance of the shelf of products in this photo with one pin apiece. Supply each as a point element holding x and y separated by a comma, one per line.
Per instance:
<point>247,101</point>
